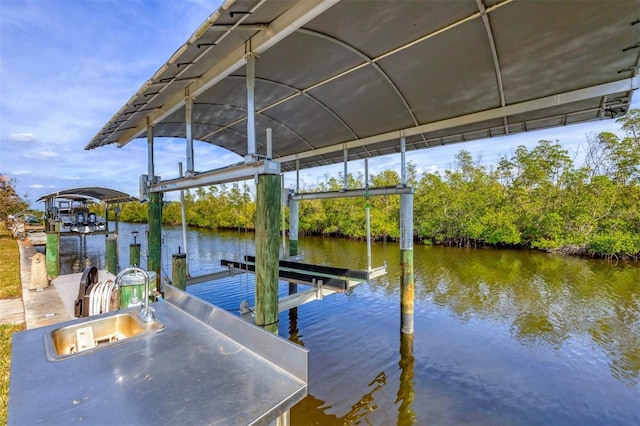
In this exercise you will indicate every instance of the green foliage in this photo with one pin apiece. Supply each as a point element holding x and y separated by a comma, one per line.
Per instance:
<point>618,243</point>
<point>10,202</point>
<point>535,199</point>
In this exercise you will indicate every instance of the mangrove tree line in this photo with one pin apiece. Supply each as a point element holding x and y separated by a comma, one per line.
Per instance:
<point>535,198</point>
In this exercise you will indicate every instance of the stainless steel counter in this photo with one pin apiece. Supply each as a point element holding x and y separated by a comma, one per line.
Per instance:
<point>205,367</point>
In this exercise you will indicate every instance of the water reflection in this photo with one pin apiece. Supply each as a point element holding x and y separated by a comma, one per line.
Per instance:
<point>545,299</point>
<point>314,411</point>
<point>406,414</point>
<point>502,337</point>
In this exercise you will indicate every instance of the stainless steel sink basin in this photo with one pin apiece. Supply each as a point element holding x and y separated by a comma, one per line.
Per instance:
<point>96,334</point>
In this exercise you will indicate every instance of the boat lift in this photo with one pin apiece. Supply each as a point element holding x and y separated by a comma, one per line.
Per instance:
<point>325,280</point>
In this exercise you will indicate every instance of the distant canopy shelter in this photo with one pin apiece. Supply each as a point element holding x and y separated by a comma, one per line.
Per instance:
<point>65,207</point>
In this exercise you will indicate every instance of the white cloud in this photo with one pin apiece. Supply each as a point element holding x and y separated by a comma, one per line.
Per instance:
<point>22,137</point>
<point>36,186</point>
<point>22,172</point>
<point>41,155</point>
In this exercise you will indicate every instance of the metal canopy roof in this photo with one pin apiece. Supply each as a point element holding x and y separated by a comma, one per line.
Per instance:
<point>358,75</point>
<point>91,192</point>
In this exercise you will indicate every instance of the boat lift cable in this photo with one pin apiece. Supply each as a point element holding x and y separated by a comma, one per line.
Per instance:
<point>244,304</point>
<point>246,249</point>
<point>368,212</point>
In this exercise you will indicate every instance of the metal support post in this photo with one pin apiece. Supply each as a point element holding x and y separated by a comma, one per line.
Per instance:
<point>150,172</point>
<point>406,264</point>
<point>269,144</point>
<point>188,112</point>
<point>293,227</point>
<point>251,108</point>
<point>346,158</point>
<point>403,165</point>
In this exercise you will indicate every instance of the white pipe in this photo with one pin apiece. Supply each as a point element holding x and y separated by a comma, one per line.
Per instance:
<point>345,155</point>
<point>269,145</point>
<point>184,224</point>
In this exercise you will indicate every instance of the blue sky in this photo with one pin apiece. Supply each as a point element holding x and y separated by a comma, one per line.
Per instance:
<point>66,67</point>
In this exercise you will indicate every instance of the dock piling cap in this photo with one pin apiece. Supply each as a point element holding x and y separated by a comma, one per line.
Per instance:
<point>136,278</point>
<point>39,277</point>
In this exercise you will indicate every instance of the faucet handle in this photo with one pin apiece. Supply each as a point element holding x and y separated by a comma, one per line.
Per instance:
<point>146,314</point>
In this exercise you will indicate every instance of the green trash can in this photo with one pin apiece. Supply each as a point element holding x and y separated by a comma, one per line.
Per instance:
<point>132,288</point>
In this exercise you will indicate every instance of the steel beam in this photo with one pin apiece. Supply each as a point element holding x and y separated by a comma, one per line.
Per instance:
<point>251,107</point>
<point>228,174</point>
<point>373,192</point>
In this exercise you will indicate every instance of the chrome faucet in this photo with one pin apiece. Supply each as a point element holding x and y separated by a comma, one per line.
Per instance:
<point>146,313</point>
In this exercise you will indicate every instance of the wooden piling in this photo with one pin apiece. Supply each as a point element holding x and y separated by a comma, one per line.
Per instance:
<point>155,235</point>
<point>134,255</point>
<point>179,270</point>
<point>111,253</point>
<point>267,251</point>
<point>52,256</point>
<point>406,264</point>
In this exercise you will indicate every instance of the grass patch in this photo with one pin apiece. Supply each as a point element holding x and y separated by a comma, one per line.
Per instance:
<point>6,331</point>
<point>10,284</point>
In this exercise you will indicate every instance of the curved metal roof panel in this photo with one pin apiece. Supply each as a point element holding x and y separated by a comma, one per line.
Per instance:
<point>91,193</point>
<point>358,75</point>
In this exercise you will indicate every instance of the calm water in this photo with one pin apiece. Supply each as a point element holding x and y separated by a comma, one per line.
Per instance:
<point>501,337</point>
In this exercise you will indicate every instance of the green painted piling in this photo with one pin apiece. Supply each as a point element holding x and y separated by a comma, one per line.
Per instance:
<point>406,291</point>
<point>179,270</point>
<point>155,235</point>
<point>407,281</point>
<point>111,253</point>
<point>267,251</point>
<point>134,254</point>
<point>52,251</point>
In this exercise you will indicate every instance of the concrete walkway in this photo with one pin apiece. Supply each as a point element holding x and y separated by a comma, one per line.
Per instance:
<point>11,311</point>
<point>35,308</point>
<point>51,305</point>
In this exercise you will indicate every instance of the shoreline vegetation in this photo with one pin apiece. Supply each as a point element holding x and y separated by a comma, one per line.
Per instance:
<point>533,199</point>
<point>10,287</point>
